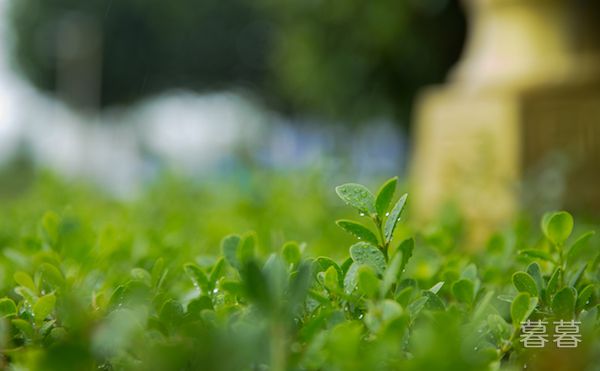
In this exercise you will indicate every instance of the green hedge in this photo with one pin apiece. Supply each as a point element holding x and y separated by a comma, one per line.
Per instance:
<point>139,293</point>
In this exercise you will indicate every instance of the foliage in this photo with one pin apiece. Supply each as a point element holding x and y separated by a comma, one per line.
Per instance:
<point>75,298</point>
<point>355,59</point>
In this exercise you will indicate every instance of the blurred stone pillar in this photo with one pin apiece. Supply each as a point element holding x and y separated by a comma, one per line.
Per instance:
<point>524,99</point>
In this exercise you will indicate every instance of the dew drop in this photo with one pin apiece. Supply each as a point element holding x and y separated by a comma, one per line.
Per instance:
<point>362,214</point>
<point>525,365</point>
<point>476,348</point>
<point>387,214</point>
<point>215,291</point>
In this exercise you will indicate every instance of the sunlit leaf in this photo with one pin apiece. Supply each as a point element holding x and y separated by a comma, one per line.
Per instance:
<point>366,253</point>
<point>392,220</point>
<point>357,196</point>
<point>384,196</point>
<point>358,230</point>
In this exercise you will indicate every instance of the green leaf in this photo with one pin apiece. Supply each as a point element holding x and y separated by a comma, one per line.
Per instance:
<point>300,282</point>
<point>52,275</point>
<point>553,284</point>
<point>506,298</point>
<point>537,253</point>
<point>229,247</point>
<point>563,304</point>
<point>357,196</point>
<point>46,326</point>
<point>197,276</point>
<point>366,253</point>
<point>433,301</point>
<point>557,226</point>
<point>521,308</point>
<point>351,278</point>
<point>291,253</point>
<point>346,264</point>
<point>171,313</point>
<point>197,305</point>
<point>437,287</point>
<point>416,306</point>
<point>534,271</point>
<point>576,277</point>
<point>25,280</point>
<point>464,291</point>
<point>256,285</point>
<point>499,329</point>
<point>142,275</point>
<point>358,230</point>
<point>392,220</point>
<point>43,307</point>
<point>23,326</point>
<point>245,252</point>
<point>331,280</point>
<point>26,294</point>
<point>404,295</point>
<point>58,334</point>
<point>323,263</point>
<point>158,272</point>
<point>218,270</point>
<point>406,248</point>
<point>578,247</point>
<point>584,297</point>
<point>470,272</point>
<point>384,196</point>
<point>8,308</point>
<point>50,227</point>
<point>523,282</point>
<point>368,283</point>
<point>232,287</point>
<point>392,273</point>
<point>483,307</point>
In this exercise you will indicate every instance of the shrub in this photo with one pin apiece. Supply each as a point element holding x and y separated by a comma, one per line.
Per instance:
<point>393,303</point>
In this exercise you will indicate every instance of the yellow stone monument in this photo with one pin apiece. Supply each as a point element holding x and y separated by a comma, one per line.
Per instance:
<point>523,101</point>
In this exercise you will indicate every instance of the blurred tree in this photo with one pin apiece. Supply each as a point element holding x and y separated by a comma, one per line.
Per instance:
<point>361,58</point>
<point>146,45</point>
<point>342,59</point>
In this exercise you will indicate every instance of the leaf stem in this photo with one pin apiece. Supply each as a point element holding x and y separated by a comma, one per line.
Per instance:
<point>561,261</point>
<point>384,245</point>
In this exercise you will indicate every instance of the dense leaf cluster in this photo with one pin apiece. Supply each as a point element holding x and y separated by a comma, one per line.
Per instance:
<point>394,303</point>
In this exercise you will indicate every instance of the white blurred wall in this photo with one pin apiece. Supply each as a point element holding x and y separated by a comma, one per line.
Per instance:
<point>186,131</point>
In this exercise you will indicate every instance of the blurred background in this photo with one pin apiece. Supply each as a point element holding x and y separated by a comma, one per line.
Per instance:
<point>252,102</point>
<point>118,91</point>
<point>124,95</point>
